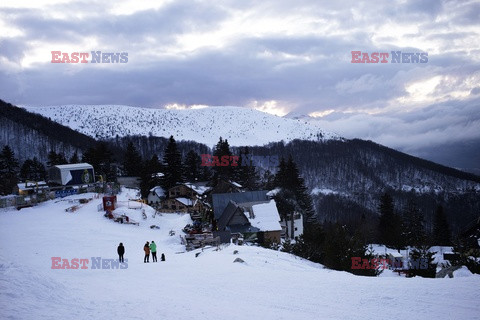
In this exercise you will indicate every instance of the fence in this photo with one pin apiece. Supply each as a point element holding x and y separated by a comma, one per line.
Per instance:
<point>23,201</point>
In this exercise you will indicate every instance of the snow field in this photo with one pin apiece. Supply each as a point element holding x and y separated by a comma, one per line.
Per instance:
<point>269,285</point>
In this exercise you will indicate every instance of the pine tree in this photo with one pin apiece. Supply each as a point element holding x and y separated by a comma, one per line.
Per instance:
<point>246,173</point>
<point>151,175</point>
<point>293,195</point>
<point>101,158</point>
<point>413,226</point>
<point>132,163</point>
<point>56,159</point>
<point>421,263</point>
<point>223,149</point>
<point>390,223</point>
<point>441,229</point>
<point>280,179</point>
<point>74,158</point>
<point>337,248</point>
<point>32,170</point>
<point>172,160</point>
<point>8,170</point>
<point>287,246</point>
<point>192,169</point>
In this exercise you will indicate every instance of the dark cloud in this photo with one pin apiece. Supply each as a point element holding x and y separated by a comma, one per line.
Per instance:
<point>298,55</point>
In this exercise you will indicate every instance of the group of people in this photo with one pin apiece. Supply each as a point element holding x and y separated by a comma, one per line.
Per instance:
<point>151,248</point>
<point>148,248</point>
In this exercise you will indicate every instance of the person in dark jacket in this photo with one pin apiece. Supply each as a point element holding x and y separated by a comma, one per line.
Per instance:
<point>163,257</point>
<point>146,248</point>
<point>121,252</point>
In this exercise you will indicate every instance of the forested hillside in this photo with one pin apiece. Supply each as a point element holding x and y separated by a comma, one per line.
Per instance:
<point>345,177</point>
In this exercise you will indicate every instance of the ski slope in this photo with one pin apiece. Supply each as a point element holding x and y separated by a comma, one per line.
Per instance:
<point>269,285</point>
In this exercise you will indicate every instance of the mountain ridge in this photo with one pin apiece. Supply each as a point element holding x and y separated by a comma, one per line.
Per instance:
<point>240,126</point>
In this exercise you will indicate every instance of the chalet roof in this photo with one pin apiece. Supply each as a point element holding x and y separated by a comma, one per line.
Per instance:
<point>232,209</point>
<point>265,216</point>
<point>199,187</point>
<point>227,215</point>
<point>185,201</point>
<point>158,191</point>
<point>221,200</point>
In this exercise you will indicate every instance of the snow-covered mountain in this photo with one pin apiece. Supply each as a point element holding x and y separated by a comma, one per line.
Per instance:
<point>241,126</point>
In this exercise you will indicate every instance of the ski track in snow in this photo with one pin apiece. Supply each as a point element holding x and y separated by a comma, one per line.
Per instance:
<point>269,285</point>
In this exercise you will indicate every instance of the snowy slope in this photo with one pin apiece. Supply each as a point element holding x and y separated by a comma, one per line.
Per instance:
<point>241,126</point>
<point>269,285</point>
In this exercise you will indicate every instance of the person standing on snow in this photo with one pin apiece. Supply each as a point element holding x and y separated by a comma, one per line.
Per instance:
<point>121,252</point>
<point>153,249</point>
<point>146,248</point>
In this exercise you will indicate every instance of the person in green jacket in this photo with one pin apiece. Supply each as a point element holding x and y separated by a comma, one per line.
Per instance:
<point>153,250</point>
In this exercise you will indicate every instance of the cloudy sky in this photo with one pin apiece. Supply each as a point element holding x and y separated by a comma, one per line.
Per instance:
<point>275,56</point>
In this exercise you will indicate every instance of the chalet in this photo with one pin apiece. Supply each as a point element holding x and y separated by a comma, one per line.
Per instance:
<point>182,204</point>
<point>188,190</point>
<point>221,200</point>
<point>186,197</point>
<point>225,186</point>
<point>156,196</point>
<point>295,230</point>
<point>256,218</point>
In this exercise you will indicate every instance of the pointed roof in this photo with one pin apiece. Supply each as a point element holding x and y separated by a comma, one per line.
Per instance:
<point>221,200</point>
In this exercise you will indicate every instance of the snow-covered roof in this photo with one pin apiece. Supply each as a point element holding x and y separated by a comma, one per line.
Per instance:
<point>157,175</point>
<point>185,201</point>
<point>273,192</point>
<point>266,217</point>
<point>158,191</point>
<point>238,185</point>
<point>199,187</point>
<point>32,185</point>
<point>395,254</point>
<point>74,166</point>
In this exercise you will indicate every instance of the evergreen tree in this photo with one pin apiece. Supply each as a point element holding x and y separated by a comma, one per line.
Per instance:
<point>56,159</point>
<point>421,262</point>
<point>132,163</point>
<point>287,246</point>
<point>288,178</point>
<point>390,223</point>
<point>280,179</point>
<point>8,170</point>
<point>74,158</point>
<point>192,169</point>
<point>101,158</point>
<point>223,149</point>
<point>151,175</point>
<point>246,173</point>
<point>172,160</point>
<point>310,244</point>
<point>32,170</point>
<point>268,180</point>
<point>441,229</point>
<point>413,225</point>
